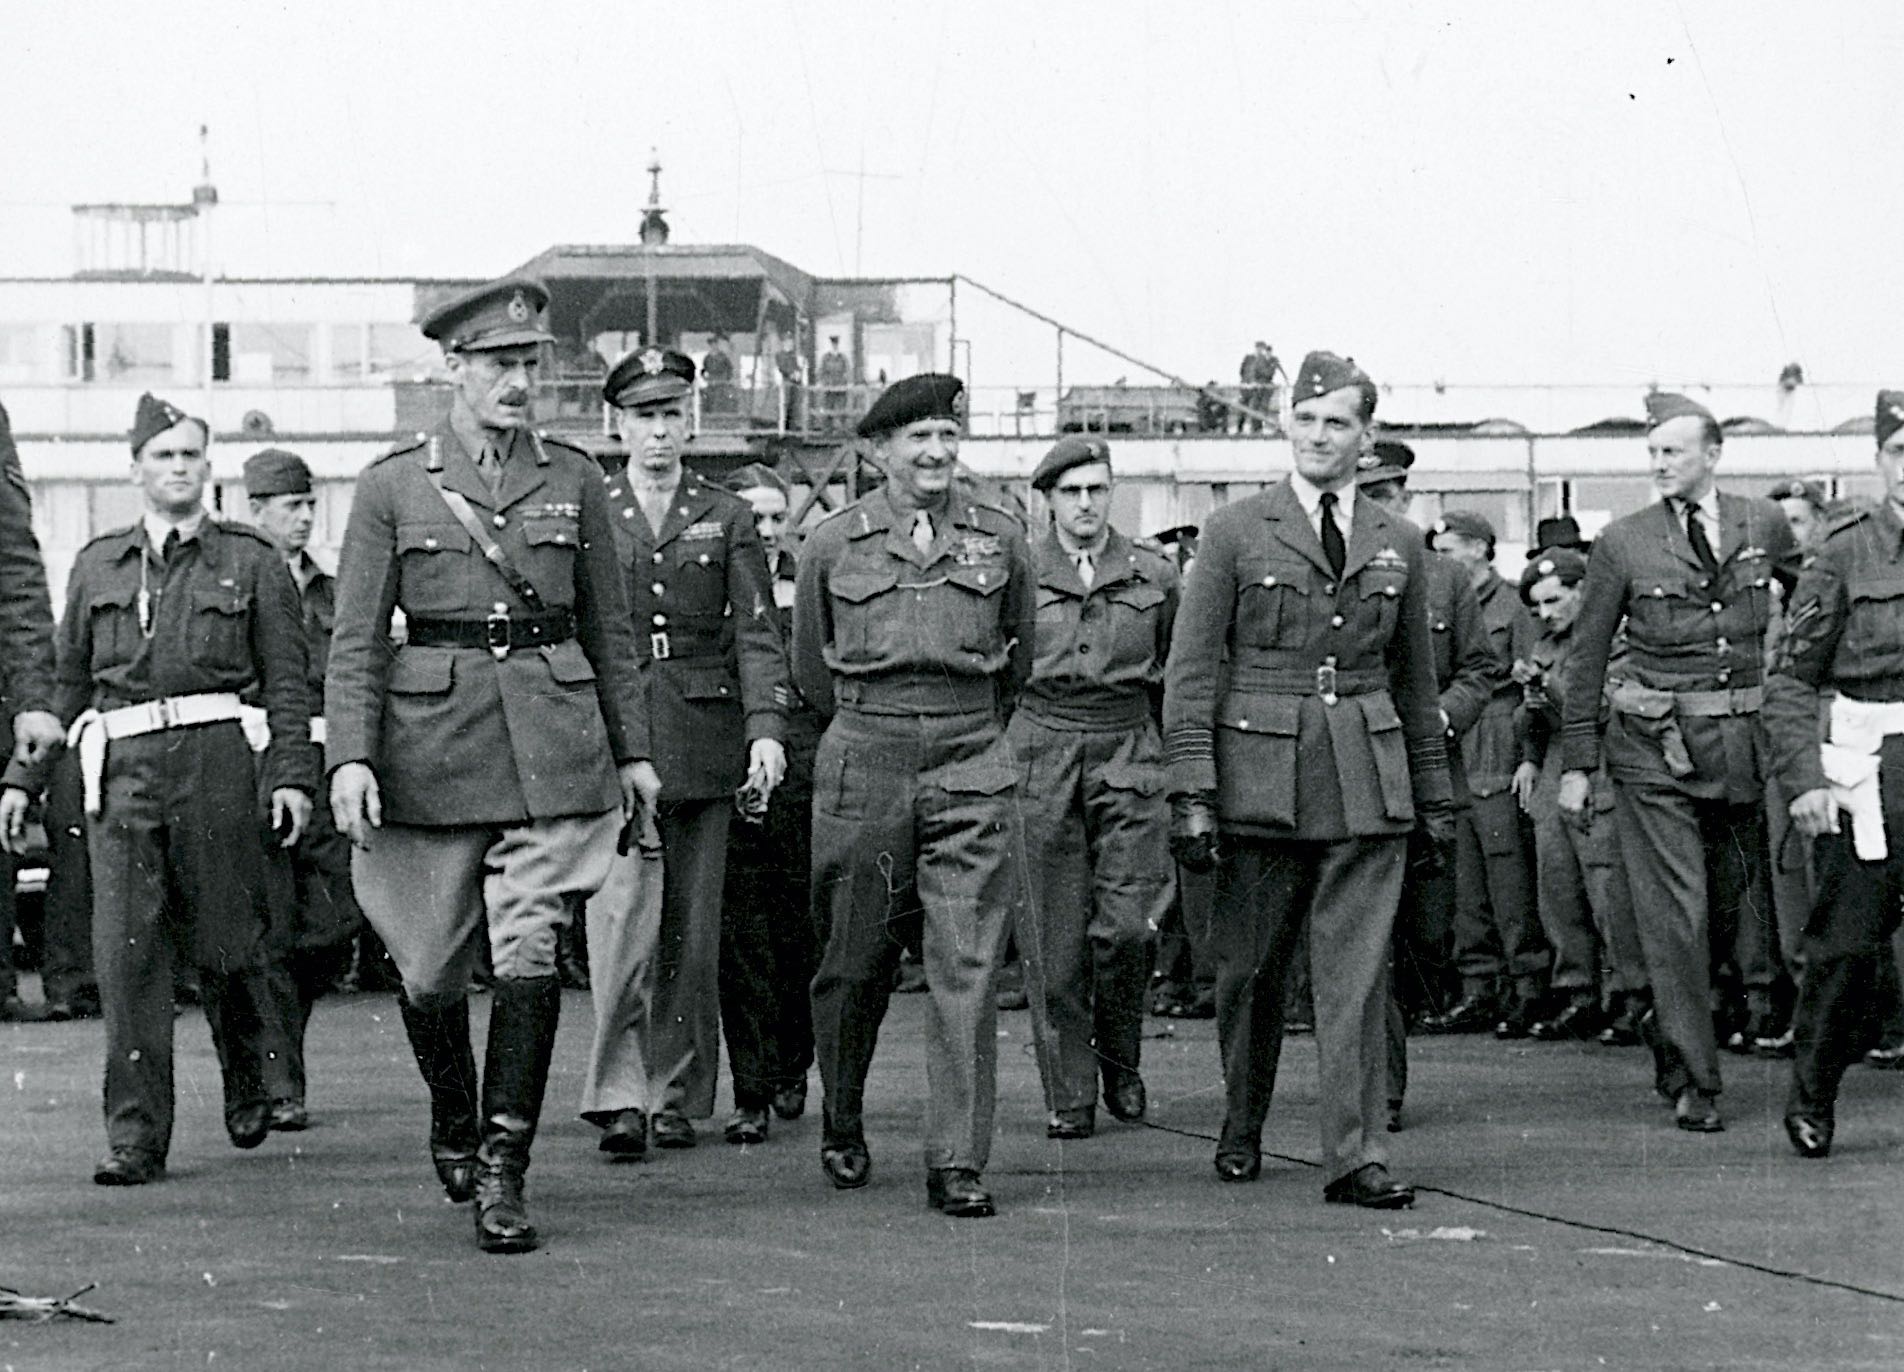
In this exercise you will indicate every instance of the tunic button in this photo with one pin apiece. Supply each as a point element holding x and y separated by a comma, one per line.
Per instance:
<point>501,521</point>
<point>1269,581</point>
<point>659,589</point>
<point>1328,588</point>
<point>628,514</point>
<point>704,559</point>
<point>1335,621</point>
<point>1717,606</point>
<point>657,557</point>
<point>429,543</point>
<point>1390,592</point>
<point>1242,724</point>
<point>660,620</point>
<point>1084,647</point>
<point>1725,676</point>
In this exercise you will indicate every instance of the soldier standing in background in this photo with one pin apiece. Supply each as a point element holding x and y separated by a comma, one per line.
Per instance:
<point>1301,721</point>
<point>483,768</point>
<point>314,914</point>
<point>1693,579</point>
<point>914,624</point>
<point>1097,848</point>
<point>714,676</point>
<point>168,622</point>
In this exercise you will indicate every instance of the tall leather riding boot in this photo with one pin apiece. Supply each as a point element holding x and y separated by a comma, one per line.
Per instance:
<point>440,1040</point>
<point>522,1021</point>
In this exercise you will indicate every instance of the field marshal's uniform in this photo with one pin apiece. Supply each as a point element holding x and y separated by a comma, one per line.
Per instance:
<point>494,733</point>
<point>1300,702</point>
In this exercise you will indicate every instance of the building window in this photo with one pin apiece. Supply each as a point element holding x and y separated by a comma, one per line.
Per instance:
<point>400,352</point>
<point>132,354</point>
<point>20,357</point>
<point>269,354</point>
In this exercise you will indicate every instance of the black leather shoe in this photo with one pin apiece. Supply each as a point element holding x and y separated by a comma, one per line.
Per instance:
<point>848,1165</point>
<point>672,1130</point>
<point>1783,1045</point>
<point>1886,1058</point>
<point>1072,1124</point>
<point>1697,1112</point>
<point>1472,1014</point>
<point>13,1010</point>
<point>1370,1187</point>
<point>957,1193</point>
<point>1578,1019</point>
<point>1810,1134</point>
<point>502,1219</point>
<point>790,1102</point>
<point>64,1011</point>
<point>127,1167</point>
<point>457,1173</point>
<point>748,1124</point>
<point>248,1125</point>
<point>289,1117</point>
<point>1623,1030</point>
<point>1126,1098</point>
<point>625,1135</point>
<point>1236,1165</point>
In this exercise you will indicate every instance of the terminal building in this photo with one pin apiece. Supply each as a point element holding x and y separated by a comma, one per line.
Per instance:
<point>336,369</point>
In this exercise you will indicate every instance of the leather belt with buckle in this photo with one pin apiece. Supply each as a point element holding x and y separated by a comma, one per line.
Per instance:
<point>501,632</point>
<point>658,645</point>
<point>1325,681</point>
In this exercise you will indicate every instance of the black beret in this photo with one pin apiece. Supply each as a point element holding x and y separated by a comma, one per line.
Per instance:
<point>648,377</point>
<point>498,314</point>
<point>276,472</point>
<point>930,395</point>
<point>1564,563</point>
<point>1890,416</point>
<point>1389,462</point>
<point>154,417</point>
<point>1073,450</point>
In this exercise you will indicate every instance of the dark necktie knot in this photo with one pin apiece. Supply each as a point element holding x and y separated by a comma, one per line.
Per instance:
<point>1333,547</point>
<point>1696,535</point>
<point>169,549</point>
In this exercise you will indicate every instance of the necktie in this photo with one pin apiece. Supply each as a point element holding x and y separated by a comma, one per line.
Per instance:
<point>1333,547</point>
<point>922,532</point>
<point>1087,570</point>
<point>1696,535</point>
<point>170,548</point>
<point>489,465</point>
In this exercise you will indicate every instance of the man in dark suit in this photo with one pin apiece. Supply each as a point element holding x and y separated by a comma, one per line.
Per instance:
<point>1692,578</point>
<point>714,673</point>
<point>1304,635</point>
<point>483,768</point>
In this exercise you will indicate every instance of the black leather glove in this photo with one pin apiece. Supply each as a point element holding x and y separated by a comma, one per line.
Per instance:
<point>1435,819</point>
<point>1193,841</point>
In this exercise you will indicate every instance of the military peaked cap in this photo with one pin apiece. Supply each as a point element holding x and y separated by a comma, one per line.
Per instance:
<point>648,377</point>
<point>1073,450</point>
<point>154,417</point>
<point>930,395</point>
<point>1389,461</point>
<point>276,472</point>
<point>501,314</point>
<point>1467,523</point>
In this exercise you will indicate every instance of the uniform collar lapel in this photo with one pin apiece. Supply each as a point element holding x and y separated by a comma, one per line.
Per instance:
<point>1056,570</point>
<point>448,456</point>
<point>690,502</point>
<point>1371,532</point>
<point>524,469</point>
<point>1292,526</point>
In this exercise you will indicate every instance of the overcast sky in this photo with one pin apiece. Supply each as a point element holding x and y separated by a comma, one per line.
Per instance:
<point>1507,191</point>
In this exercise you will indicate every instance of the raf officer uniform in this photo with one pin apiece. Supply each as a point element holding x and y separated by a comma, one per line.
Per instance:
<point>313,909</point>
<point>915,636</point>
<point>1300,706</point>
<point>494,733</point>
<point>714,675</point>
<point>1097,842</point>
<point>1843,647</point>
<point>165,629</point>
<point>1681,741</point>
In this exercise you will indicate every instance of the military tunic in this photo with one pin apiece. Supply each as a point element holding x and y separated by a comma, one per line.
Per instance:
<point>714,672</point>
<point>1682,742</point>
<point>1844,634</point>
<point>1096,823</point>
<point>917,657</point>
<point>497,771</point>
<point>178,809</point>
<point>1306,704</point>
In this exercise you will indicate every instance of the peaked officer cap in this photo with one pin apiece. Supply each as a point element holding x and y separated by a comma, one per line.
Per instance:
<point>500,314</point>
<point>649,376</point>
<point>1890,414</point>
<point>1664,405</point>
<point>1564,563</point>
<point>1389,462</point>
<point>1467,523</point>
<point>1073,450</point>
<point>930,395</point>
<point>276,472</point>
<point>1322,372</point>
<point>154,417</point>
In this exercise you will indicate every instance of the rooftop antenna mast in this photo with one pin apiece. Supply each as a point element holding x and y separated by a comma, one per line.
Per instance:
<point>204,200</point>
<point>654,234</point>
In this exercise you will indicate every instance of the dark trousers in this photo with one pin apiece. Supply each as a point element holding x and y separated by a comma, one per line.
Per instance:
<point>1847,941</point>
<point>1184,956</point>
<point>1693,864</point>
<point>313,917</point>
<point>1097,859</point>
<point>66,966</point>
<point>914,810</point>
<point>1346,893</point>
<point>1496,927</point>
<point>180,809</point>
<point>770,942</point>
<point>684,1020</point>
<point>1421,953</point>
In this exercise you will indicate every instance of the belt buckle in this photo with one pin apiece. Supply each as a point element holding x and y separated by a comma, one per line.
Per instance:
<point>167,712</point>
<point>658,645</point>
<point>1325,681</point>
<point>496,634</point>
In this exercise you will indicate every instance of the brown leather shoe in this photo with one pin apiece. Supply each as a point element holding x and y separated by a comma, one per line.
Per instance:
<point>957,1193</point>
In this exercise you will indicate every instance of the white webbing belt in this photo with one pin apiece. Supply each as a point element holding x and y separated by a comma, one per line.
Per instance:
<point>94,729</point>
<point>1850,764</point>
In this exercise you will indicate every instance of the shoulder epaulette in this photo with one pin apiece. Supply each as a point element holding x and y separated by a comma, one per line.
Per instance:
<point>121,532</point>
<point>1850,518</point>
<point>407,445</point>
<point>231,526</point>
<point>557,441</point>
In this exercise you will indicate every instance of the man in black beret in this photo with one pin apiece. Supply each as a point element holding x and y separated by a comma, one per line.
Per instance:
<point>1843,642</point>
<point>1096,825</point>
<point>914,629</point>
<point>1304,741</point>
<point>1692,579</point>
<point>714,674</point>
<point>313,909</point>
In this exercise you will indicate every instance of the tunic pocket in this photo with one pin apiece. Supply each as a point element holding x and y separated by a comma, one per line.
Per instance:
<point>1389,747</point>
<point>114,620</point>
<point>977,591</point>
<point>1256,759</point>
<point>1272,602</point>
<point>855,594</point>
<point>220,620</point>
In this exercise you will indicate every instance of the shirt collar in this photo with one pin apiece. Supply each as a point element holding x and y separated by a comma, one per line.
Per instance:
<point>1309,496</point>
<point>1076,550</point>
<point>156,528</point>
<point>1707,505</point>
